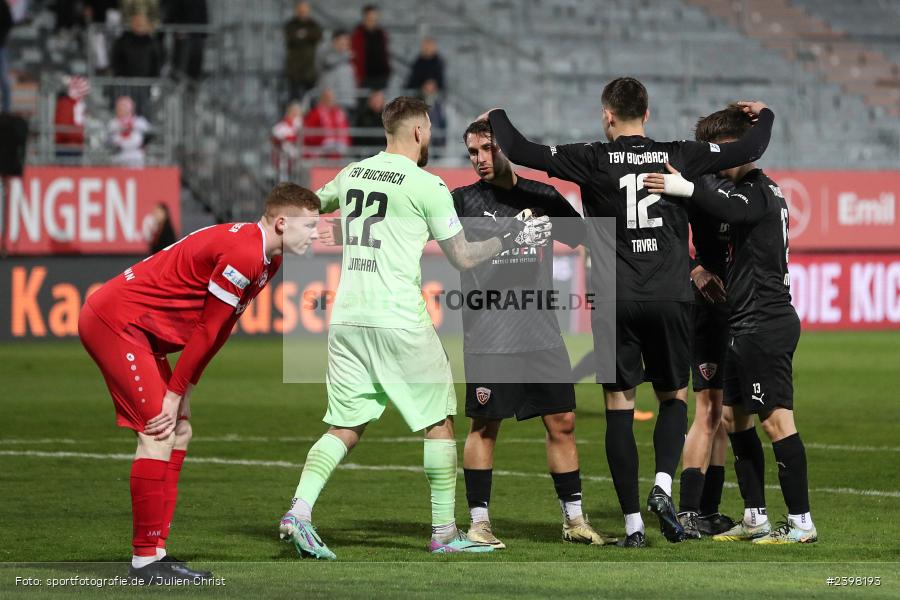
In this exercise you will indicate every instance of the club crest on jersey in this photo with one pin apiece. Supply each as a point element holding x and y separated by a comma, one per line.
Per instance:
<point>708,370</point>
<point>482,394</point>
<point>235,277</point>
<point>262,279</point>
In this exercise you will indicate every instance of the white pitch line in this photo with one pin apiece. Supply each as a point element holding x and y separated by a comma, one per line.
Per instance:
<point>249,439</point>
<point>393,468</point>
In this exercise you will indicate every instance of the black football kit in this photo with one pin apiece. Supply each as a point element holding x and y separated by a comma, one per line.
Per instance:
<point>515,360</point>
<point>764,327</point>
<point>653,288</point>
<point>710,237</point>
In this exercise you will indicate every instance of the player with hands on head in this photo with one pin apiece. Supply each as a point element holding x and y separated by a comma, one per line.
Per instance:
<point>703,471</point>
<point>765,330</point>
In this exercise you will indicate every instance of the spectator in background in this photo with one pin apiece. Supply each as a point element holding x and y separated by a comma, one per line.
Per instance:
<point>95,14</point>
<point>428,65</point>
<point>148,8</point>
<point>137,54</point>
<point>431,95</point>
<point>188,60</point>
<point>69,118</point>
<point>335,67</point>
<point>6,24</point>
<point>95,10</point>
<point>369,117</point>
<point>69,15</point>
<point>301,38</point>
<point>371,59</point>
<point>327,128</point>
<point>19,9</point>
<point>163,234</point>
<point>286,140</point>
<point>127,135</point>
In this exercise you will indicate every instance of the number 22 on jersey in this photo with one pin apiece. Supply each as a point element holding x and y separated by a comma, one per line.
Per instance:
<point>361,235</point>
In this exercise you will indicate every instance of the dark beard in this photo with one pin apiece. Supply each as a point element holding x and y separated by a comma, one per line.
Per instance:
<point>423,157</point>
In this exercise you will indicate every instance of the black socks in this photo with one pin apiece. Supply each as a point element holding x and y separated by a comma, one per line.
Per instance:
<point>622,456</point>
<point>712,490</point>
<point>668,435</point>
<point>478,487</point>
<point>791,458</point>
<point>749,466</point>
<point>691,489</point>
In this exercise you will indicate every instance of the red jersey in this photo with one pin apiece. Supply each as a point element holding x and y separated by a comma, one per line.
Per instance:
<point>69,122</point>
<point>189,295</point>
<point>331,138</point>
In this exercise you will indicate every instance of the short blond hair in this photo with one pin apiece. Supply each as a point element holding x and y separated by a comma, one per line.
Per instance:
<point>287,194</point>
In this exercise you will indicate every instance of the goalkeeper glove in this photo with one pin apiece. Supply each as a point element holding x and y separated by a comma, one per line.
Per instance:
<point>526,230</point>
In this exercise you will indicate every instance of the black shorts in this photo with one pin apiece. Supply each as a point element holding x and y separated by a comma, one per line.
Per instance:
<point>759,367</point>
<point>709,343</point>
<point>652,344</point>
<point>534,384</point>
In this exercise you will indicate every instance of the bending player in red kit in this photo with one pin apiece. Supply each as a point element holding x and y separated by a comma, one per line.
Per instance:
<point>186,298</point>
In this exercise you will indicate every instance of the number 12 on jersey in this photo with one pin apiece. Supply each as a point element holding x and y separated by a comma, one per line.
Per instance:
<point>636,210</point>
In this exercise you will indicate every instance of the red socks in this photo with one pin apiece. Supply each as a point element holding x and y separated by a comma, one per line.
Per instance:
<point>171,493</point>
<point>148,480</point>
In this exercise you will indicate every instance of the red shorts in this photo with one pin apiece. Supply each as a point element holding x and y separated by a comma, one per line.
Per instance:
<point>136,377</point>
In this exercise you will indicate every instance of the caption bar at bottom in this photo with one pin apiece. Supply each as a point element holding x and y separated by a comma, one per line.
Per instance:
<point>118,581</point>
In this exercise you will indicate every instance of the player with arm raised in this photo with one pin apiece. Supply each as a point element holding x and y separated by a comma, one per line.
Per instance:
<point>764,330</point>
<point>515,359</point>
<point>185,298</point>
<point>653,293</point>
<point>382,346</point>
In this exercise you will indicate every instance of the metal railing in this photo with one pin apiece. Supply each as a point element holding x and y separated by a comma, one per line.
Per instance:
<point>164,110</point>
<point>218,129</point>
<point>362,142</point>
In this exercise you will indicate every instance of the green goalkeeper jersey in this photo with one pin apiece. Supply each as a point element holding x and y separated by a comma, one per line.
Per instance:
<point>389,209</point>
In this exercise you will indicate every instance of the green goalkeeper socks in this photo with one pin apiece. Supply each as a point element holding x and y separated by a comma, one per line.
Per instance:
<point>322,460</point>
<point>440,470</point>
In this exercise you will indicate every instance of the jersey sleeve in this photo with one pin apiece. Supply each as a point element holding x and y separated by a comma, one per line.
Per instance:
<point>519,149</point>
<point>568,226</point>
<point>329,200</point>
<point>572,162</point>
<point>697,158</point>
<point>458,201</point>
<point>439,210</point>
<point>706,157</point>
<point>743,205</point>
<point>209,335</point>
<point>695,218</point>
<point>233,273</point>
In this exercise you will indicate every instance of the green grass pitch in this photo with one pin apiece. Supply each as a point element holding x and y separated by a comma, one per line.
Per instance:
<point>65,499</point>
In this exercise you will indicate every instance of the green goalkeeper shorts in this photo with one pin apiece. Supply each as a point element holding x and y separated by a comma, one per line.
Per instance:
<point>369,366</point>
